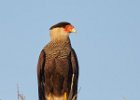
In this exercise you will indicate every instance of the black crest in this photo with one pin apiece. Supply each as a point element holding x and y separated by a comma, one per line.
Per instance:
<point>61,24</point>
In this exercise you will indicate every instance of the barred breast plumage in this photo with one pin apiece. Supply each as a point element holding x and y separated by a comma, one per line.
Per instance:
<point>57,50</point>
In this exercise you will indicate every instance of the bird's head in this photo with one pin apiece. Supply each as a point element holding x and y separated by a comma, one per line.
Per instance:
<point>61,31</point>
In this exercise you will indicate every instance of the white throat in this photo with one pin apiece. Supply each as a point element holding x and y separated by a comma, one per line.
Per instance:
<point>58,34</point>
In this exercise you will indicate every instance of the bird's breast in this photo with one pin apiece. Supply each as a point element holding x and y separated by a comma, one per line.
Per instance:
<point>58,53</point>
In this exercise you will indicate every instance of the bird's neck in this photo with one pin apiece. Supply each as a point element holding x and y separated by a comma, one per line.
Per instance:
<point>58,34</point>
<point>62,42</point>
<point>60,39</point>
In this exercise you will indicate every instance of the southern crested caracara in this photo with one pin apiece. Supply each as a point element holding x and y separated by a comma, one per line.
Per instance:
<point>57,68</point>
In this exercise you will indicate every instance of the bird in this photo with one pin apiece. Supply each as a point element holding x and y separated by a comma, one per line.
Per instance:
<point>58,68</point>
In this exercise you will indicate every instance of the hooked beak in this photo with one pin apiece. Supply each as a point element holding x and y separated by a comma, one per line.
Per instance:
<point>73,30</point>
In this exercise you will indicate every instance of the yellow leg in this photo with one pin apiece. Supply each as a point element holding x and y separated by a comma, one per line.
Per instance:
<point>65,96</point>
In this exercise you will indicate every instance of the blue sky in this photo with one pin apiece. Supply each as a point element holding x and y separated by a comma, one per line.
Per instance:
<point>107,44</point>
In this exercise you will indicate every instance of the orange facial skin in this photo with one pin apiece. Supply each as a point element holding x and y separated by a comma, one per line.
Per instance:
<point>68,28</point>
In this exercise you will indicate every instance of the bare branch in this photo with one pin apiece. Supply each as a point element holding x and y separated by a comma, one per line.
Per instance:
<point>19,95</point>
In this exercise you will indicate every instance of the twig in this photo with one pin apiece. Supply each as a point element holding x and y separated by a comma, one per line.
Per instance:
<point>20,96</point>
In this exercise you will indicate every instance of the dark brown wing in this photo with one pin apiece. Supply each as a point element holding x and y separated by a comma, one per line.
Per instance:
<point>75,68</point>
<point>40,75</point>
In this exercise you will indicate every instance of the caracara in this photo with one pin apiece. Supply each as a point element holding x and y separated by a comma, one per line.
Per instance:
<point>57,68</point>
